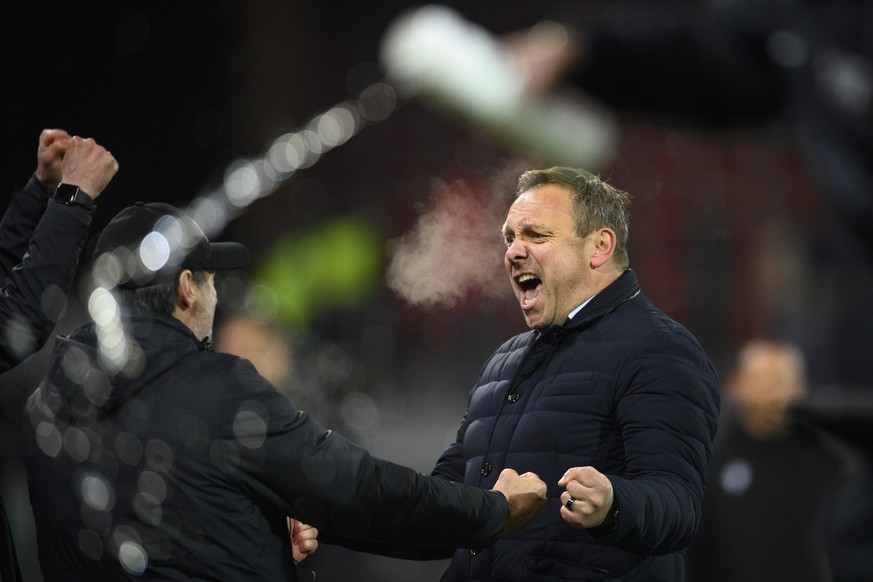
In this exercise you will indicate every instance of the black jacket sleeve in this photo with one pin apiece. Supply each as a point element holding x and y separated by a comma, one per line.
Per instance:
<point>449,467</point>
<point>19,221</point>
<point>39,256</point>
<point>323,479</point>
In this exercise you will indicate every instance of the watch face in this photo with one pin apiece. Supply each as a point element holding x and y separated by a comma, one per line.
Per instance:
<point>66,193</point>
<point>69,194</point>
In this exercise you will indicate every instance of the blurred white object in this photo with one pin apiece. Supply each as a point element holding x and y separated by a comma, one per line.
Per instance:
<point>462,67</point>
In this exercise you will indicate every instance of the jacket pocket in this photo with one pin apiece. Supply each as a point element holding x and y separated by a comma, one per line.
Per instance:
<point>551,570</point>
<point>602,564</point>
<point>569,384</point>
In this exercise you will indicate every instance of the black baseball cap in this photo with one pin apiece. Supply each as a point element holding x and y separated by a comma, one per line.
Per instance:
<point>149,243</point>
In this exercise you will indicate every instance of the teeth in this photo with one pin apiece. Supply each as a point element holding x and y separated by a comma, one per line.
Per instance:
<point>525,278</point>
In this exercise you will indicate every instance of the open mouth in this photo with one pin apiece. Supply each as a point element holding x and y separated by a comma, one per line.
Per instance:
<point>530,286</point>
<point>528,282</point>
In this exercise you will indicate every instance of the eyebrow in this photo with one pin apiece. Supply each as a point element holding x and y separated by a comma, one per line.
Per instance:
<point>527,228</point>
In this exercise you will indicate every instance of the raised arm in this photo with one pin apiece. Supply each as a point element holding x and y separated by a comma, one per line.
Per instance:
<point>34,290</point>
<point>27,205</point>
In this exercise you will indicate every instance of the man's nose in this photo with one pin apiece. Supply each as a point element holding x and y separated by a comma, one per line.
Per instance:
<point>516,250</point>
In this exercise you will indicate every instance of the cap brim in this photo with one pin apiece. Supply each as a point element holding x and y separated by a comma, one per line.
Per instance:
<point>226,255</point>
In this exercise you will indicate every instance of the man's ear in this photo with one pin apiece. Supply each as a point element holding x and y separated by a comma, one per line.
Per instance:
<point>604,247</point>
<point>185,294</point>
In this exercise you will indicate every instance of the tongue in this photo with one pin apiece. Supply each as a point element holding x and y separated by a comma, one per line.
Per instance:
<point>529,295</point>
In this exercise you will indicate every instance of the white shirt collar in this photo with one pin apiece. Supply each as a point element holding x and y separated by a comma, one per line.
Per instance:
<point>578,309</point>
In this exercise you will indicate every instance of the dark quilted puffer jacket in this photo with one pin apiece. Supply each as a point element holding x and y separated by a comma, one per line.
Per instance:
<point>620,387</point>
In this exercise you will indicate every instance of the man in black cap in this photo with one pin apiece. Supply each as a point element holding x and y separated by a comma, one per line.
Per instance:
<point>148,455</point>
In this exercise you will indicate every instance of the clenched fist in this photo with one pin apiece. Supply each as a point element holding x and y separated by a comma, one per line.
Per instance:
<point>87,165</point>
<point>526,495</point>
<point>588,497</point>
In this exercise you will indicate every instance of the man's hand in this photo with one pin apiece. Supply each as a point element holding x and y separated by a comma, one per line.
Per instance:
<point>526,495</point>
<point>543,54</point>
<point>591,494</point>
<point>303,539</point>
<point>88,165</point>
<point>50,155</point>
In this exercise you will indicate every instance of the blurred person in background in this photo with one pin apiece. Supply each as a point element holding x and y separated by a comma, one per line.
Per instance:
<point>266,345</point>
<point>41,236</point>
<point>177,462</point>
<point>772,480</point>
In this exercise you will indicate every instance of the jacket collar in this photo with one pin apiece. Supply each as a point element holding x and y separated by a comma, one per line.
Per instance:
<point>622,289</point>
<point>140,322</point>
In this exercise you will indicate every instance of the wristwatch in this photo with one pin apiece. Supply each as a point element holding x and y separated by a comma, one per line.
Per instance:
<point>610,522</point>
<point>69,194</point>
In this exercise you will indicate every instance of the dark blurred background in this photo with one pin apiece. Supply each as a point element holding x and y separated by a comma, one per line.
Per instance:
<point>729,233</point>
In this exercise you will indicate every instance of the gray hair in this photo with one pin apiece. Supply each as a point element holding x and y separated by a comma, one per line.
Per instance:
<point>596,204</point>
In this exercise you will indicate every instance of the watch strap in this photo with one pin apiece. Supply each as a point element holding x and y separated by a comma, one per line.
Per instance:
<point>610,523</point>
